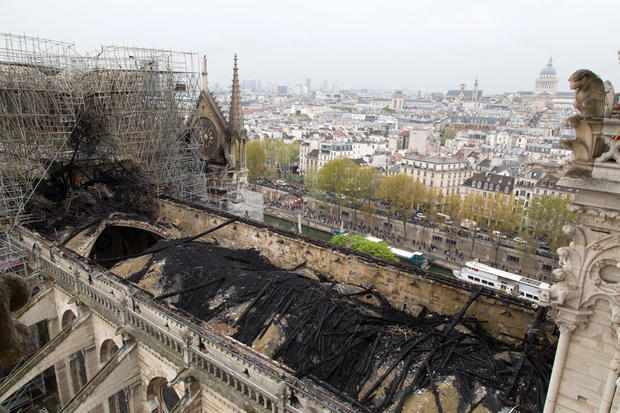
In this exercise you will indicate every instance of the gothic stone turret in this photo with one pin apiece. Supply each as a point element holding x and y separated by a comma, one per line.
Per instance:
<point>224,143</point>
<point>587,292</point>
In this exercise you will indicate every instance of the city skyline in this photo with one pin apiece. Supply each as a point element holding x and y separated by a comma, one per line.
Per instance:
<point>425,47</point>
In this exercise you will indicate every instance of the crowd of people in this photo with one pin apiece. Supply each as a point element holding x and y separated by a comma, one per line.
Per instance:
<point>289,205</point>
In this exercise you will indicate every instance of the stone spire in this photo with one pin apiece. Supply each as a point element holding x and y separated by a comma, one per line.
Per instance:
<point>235,116</point>
<point>205,86</point>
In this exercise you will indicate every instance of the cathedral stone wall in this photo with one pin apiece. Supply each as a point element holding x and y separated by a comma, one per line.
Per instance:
<point>584,376</point>
<point>586,368</point>
<point>402,287</point>
<point>497,255</point>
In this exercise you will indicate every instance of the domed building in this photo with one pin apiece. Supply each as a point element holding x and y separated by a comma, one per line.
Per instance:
<point>547,82</point>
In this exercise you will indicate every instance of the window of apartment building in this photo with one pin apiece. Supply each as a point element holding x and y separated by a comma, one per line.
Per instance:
<point>547,267</point>
<point>437,238</point>
<point>513,258</point>
<point>450,242</point>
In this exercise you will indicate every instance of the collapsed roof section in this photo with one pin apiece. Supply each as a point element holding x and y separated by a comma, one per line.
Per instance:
<point>347,338</point>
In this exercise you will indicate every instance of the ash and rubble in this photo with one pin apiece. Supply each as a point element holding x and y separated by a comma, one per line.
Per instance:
<point>345,337</point>
<point>348,338</point>
<point>72,199</point>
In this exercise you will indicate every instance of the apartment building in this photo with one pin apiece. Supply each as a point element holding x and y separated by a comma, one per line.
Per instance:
<point>488,185</point>
<point>445,174</point>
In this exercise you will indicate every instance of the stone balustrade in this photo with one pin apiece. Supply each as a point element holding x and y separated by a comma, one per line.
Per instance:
<point>125,305</point>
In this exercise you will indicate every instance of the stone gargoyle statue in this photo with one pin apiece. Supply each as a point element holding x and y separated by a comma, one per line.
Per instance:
<point>589,95</point>
<point>14,336</point>
<point>590,102</point>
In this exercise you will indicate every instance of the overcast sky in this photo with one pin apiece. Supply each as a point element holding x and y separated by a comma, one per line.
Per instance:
<point>429,45</point>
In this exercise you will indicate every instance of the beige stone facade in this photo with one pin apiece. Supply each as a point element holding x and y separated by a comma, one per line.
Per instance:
<point>587,362</point>
<point>444,174</point>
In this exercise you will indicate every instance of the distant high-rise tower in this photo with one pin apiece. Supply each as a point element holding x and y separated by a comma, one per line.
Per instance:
<point>474,95</point>
<point>309,85</point>
<point>547,82</point>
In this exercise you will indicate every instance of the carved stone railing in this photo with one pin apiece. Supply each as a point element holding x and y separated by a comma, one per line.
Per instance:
<point>125,305</point>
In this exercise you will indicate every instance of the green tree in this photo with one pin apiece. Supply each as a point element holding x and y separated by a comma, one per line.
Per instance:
<point>368,210</point>
<point>255,159</point>
<point>500,214</point>
<point>286,154</point>
<point>338,176</point>
<point>271,160</point>
<point>435,202</point>
<point>474,209</point>
<point>420,194</point>
<point>452,206</point>
<point>361,244</point>
<point>545,218</point>
<point>364,183</point>
<point>398,192</point>
<point>449,133</point>
<point>311,178</point>
<point>280,155</point>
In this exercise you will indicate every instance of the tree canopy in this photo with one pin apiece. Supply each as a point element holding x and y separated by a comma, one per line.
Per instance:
<point>256,157</point>
<point>361,244</point>
<point>271,158</point>
<point>545,218</point>
<point>338,176</point>
<point>449,133</point>
<point>398,192</point>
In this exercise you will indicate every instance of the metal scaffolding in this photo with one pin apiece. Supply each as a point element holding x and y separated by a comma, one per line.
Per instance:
<point>118,104</point>
<point>36,114</point>
<point>144,99</point>
<point>11,257</point>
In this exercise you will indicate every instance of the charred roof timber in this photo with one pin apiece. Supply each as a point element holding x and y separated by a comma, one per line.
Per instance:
<point>345,336</point>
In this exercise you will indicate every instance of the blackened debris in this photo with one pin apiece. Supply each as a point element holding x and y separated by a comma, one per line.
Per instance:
<point>375,354</point>
<point>75,196</point>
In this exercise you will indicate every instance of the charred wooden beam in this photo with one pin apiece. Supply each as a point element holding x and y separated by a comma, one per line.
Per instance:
<point>186,290</point>
<point>173,243</point>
